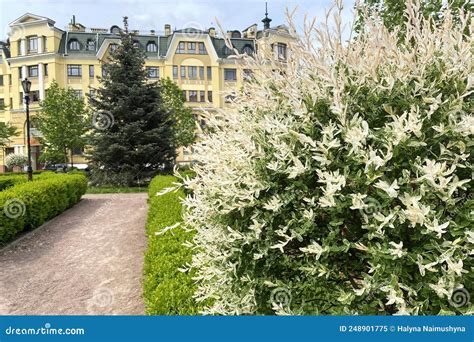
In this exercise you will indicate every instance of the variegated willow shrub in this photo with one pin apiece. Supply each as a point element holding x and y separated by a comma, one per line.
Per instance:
<point>340,181</point>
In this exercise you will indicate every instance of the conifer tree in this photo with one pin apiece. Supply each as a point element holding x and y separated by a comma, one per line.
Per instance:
<point>132,137</point>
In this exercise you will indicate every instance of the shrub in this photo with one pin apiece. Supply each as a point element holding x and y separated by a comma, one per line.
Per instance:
<point>341,182</point>
<point>16,160</point>
<point>30,204</point>
<point>11,180</point>
<point>167,290</point>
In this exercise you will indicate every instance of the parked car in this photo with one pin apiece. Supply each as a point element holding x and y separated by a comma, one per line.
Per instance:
<point>56,167</point>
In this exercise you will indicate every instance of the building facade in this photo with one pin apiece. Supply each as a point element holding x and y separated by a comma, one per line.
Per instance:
<point>197,60</point>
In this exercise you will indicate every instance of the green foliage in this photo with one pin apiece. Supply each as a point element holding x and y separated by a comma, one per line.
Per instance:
<point>184,125</point>
<point>132,131</point>
<point>393,12</point>
<point>7,131</point>
<point>29,204</point>
<point>62,121</point>
<point>344,187</point>
<point>167,290</point>
<point>11,180</point>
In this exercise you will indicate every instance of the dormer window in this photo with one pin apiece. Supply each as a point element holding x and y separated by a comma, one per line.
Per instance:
<point>90,45</point>
<point>228,51</point>
<point>113,47</point>
<point>151,47</point>
<point>74,45</point>
<point>247,50</point>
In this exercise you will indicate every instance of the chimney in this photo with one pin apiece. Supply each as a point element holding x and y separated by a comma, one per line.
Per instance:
<point>167,29</point>
<point>212,31</point>
<point>73,26</point>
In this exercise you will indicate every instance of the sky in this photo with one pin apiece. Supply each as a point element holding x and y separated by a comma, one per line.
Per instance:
<point>154,14</point>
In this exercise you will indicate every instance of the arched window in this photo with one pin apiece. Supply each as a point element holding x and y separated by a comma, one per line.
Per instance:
<point>228,51</point>
<point>90,45</point>
<point>151,47</point>
<point>74,45</point>
<point>247,49</point>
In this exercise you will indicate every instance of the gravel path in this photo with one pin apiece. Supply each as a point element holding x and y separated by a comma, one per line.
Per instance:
<point>86,261</point>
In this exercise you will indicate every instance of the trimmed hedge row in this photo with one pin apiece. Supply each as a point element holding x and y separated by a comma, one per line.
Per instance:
<point>167,291</point>
<point>28,205</point>
<point>11,180</point>
<point>7,181</point>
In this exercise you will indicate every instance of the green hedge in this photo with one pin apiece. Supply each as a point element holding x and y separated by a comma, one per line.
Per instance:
<point>28,205</point>
<point>167,291</point>
<point>11,180</point>
<point>7,181</point>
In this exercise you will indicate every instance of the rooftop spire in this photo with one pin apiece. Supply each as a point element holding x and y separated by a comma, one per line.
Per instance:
<point>266,21</point>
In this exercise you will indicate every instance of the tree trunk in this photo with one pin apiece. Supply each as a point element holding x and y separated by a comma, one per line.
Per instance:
<point>72,158</point>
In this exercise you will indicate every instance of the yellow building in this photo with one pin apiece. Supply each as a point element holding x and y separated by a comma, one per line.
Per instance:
<point>198,60</point>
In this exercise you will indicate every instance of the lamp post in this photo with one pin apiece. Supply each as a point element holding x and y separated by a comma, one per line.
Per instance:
<point>26,91</point>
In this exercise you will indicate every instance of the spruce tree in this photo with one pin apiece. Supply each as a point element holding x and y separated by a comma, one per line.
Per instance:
<point>132,136</point>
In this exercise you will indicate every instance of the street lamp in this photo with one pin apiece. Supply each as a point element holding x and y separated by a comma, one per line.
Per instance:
<point>26,91</point>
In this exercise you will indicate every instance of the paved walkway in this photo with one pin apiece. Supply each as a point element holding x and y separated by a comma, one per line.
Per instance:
<point>87,261</point>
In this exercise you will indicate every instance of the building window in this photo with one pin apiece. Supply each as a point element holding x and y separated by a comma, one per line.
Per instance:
<point>78,93</point>
<point>46,69</point>
<point>201,73</point>
<point>153,72</point>
<point>74,70</point>
<point>181,48</point>
<point>247,50</point>
<point>113,47</point>
<point>209,73</point>
<point>34,96</point>
<point>247,74</point>
<point>184,96</point>
<point>91,71</point>
<point>74,45</point>
<point>20,73</point>
<point>202,96</point>
<point>193,96</point>
<point>209,95</point>
<point>281,51</point>
<point>1,80</point>
<point>33,71</point>
<point>228,51</point>
<point>191,47</point>
<point>2,104</point>
<point>151,47</point>
<point>175,71</point>
<point>92,93</point>
<point>230,74</point>
<point>202,49</point>
<point>104,71</point>
<point>78,151</point>
<point>45,44</point>
<point>183,72</point>
<point>192,72</point>
<point>90,45</point>
<point>32,44</point>
<point>229,98</point>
